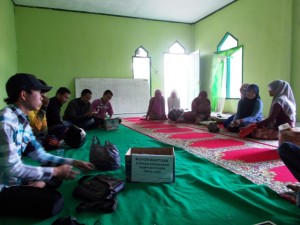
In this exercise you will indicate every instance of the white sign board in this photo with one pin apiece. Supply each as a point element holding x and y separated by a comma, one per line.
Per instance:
<point>129,95</point>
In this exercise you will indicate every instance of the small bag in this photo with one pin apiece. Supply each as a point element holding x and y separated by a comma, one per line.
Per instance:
<point>99,192</point>
<point>105,157</point>
<point>213,127</point>
<point>174,114</point>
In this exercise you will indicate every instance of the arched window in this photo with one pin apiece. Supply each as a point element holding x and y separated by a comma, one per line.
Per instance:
<point>231,57</point>
<point>177,48</point>
<point>141,64</point>
<point>227,42</point>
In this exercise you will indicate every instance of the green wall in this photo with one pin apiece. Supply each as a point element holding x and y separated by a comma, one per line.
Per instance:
<point>58,46</point>
<point>8,46</point>
<point>295,56</point>
<point>264,28</point>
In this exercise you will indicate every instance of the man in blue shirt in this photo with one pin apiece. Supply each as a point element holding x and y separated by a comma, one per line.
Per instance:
<point>24,188</point>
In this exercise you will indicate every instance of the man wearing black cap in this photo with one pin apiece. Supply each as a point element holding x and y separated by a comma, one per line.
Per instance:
<point>23,188</point>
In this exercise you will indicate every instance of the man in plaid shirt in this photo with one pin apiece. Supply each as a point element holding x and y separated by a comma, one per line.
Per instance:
<point>25,189</point>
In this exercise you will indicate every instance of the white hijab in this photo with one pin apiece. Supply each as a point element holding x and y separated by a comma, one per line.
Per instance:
<point>173,101</point>
<point>283,95</point>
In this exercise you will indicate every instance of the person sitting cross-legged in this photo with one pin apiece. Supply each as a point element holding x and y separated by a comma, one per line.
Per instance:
<point>79,112</point>
<point>102,108</point>
<point>56,125</point>
<point>37,118</point>
<point>282,110</point>
<point>243,89</point>
<point>27,190</point>
<point>201,110</point>
<point>156,107</point>
<point>249,110</point>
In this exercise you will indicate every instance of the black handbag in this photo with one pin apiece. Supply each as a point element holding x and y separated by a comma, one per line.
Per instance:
<point>99,192</point>
<point>213,127</point>
<point>105,157</point>
<point>66,221</point>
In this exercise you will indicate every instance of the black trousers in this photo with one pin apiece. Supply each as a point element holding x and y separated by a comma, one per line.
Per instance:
<point>86,125</point>
<point>33,202</point>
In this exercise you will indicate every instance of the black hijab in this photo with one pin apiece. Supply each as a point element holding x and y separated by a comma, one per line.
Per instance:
<point>247,105</point>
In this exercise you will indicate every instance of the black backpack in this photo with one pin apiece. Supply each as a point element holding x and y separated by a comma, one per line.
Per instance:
<point>74,137</point>
<point>99,192</point>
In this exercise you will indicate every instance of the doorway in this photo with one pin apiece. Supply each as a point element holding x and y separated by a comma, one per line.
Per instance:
<point>181,72</point>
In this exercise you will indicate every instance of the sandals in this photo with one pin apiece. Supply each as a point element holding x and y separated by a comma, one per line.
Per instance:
<point>219,116</point>
<point>290,196</point>
<point>294,188</point>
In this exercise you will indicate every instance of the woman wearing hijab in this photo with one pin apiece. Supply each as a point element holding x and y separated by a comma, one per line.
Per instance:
<point>282,110</point>
<point>156,109</point>
<point>243,89</point>
<point>249,109</point>
<point>173,101</point>
<point>200,110</point>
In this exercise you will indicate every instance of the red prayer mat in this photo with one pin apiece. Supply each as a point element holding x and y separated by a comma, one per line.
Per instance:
<point>257,160</point>
<point>282,174</point>
<point>173,130</point>
<point>153,126</point>
<point>191,135</point>
<point>252,155</point>
<point>217,143</point>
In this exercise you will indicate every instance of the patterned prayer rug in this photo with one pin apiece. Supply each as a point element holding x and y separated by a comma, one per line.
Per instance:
<point>257,160</point>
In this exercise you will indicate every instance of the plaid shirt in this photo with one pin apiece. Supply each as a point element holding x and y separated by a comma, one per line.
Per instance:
<point>15,136</point>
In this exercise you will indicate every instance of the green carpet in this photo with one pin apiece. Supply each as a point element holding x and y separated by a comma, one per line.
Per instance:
<point>203,193</point>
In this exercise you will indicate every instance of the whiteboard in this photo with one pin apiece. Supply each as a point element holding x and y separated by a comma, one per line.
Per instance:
<point>129,95</point>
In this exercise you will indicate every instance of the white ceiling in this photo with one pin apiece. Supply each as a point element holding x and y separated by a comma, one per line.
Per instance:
<point>183,11</point>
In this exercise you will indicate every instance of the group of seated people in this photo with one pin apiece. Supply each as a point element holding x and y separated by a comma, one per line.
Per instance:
<point>29,190</point>
<point>249,110</point>
<point>47,121</point>
<point>201,109</point>
<point>26,125</point>
<point>249,115</point>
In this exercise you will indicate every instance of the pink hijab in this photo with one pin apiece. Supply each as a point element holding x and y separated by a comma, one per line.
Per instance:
<point>202,103</point>
<point>158,101</point>
<point>202,98</point>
